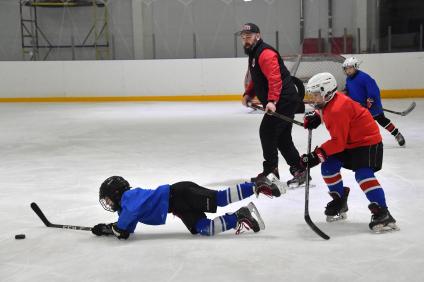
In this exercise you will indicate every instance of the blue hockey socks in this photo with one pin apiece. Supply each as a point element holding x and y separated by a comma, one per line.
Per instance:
<point>234,194</point>
<point>219,224</point>
<point>330,170</point>
<point>370,186</point>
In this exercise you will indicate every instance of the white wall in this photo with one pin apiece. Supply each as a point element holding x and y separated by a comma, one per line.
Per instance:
<point>122,78</point>
<point>172,77</point>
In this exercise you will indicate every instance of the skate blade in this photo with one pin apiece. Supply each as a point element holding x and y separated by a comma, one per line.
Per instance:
<point>282,187</point>
<point>252,208</point>
<point>293,186</point>
<point>380,228</point>
<point>340,217</point>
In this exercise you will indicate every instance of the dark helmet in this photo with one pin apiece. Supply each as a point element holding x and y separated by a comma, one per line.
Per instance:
<point>113,188</point>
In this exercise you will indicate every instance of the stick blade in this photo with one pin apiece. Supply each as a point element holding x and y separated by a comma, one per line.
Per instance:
<point>315,228</point>
<point>40,214</point>
<point>410,109</point>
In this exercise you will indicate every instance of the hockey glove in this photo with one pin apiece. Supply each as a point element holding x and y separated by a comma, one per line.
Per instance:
<point>370,101</point>
<point>311,120</point>
<point>313,158</point>
<point>120,233</point>
<point>102,229</point>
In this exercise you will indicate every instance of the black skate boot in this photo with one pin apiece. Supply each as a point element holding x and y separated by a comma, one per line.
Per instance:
<point>248,217</point>
<point>269,186</point>
<point>299,177</point>
<point>265,173</point>
<point>381,219</point>
<point>400,139</point>
<point>337,208</point>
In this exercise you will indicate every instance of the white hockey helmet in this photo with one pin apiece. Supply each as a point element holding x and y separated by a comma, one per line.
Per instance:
<point>351,62</point>
<point>323,83</point>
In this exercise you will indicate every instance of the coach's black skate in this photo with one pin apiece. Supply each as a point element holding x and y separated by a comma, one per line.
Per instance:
<point>337,208</point>
<point>381,219</point>
<point>400,139</point>
<point>265,173</point>
<point>248,217</point>
<point>299,178</point>
<point>270,186</point>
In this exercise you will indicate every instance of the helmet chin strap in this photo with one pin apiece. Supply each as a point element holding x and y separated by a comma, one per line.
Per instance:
<point>321,105</point>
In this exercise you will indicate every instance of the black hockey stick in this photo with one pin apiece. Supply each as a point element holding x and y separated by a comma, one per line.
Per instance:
<point>307,217</point>
<point>405,112</point>
<point>275,114</point>
<point>44,219</point>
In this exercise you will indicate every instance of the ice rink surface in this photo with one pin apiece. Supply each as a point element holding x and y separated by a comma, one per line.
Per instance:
<point>57,155</point>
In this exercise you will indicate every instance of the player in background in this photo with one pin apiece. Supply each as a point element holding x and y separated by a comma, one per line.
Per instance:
<point>355,144</point>
<point>186,200</point>
<point>272,84</point>
<point>362,88</point>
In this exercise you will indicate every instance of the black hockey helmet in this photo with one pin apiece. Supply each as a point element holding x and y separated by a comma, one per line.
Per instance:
<point>113,188</point>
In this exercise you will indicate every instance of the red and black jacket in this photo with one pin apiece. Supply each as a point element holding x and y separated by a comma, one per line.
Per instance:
<point>271,80</point>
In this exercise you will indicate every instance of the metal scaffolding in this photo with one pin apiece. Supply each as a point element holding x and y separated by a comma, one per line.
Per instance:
<point>34,40</point>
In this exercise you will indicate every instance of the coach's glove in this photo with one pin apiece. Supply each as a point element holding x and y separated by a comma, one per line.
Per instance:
<point>311,120</point>
<point>102,229</point>
<point>246,99</point>
<point>313,158</point>
<point>370,101</point>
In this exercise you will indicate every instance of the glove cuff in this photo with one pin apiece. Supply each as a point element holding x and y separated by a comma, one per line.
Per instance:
<point>120,233</point>
<point>321,154</point>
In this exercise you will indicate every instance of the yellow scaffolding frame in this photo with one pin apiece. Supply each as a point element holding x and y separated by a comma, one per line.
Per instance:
<point>31,32</point>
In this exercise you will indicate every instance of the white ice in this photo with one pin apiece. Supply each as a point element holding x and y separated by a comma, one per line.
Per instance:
<point>57,155</point>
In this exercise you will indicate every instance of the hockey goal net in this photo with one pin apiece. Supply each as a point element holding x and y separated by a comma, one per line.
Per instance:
<point>307,65</point>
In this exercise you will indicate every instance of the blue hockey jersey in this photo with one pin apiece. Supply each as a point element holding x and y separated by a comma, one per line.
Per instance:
<point>360,87</point>
<point>145,206</point>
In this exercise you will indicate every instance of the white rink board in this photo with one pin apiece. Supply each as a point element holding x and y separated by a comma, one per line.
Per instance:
<point>185,77</point>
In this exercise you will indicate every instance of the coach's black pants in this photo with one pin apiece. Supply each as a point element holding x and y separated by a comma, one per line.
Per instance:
<point>276,134</point>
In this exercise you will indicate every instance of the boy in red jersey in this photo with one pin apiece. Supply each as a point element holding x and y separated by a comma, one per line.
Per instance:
<point>355,144</point>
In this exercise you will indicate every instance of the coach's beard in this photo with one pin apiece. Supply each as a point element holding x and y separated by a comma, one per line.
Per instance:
<point>247,49</point>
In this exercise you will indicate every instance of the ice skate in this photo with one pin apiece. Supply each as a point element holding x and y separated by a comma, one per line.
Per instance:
<point>337,208</point>
<point>298,180</point>
<point>248,217</point>
<point>265,173</point>
<point>400,139</point>
<point>381,220</point>
<point>270,186</point>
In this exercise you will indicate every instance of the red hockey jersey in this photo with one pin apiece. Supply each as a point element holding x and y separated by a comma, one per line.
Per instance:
<point>350,125</point>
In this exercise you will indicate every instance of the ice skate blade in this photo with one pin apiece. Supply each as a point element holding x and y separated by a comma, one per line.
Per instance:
<point>301,186</point>
<point>339,217</point>
<point>380,228</point>
<point>282,187</point>
<point>252,208</point>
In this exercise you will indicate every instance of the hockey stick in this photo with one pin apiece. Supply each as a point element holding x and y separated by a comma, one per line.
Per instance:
<point>44,219</point>
<point>405,112</point>
<point>275,114</point>
<point>307,217</point>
